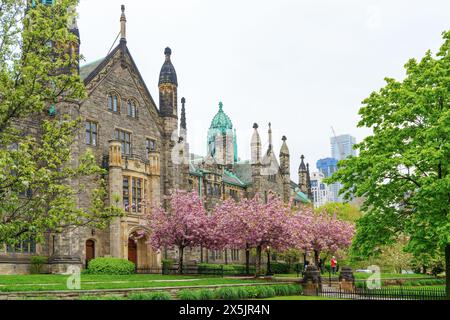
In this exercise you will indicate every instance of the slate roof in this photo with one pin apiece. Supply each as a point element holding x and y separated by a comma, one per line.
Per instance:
<point>87,69</point>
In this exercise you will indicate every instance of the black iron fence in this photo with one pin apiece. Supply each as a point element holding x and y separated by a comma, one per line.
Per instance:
<point>187,270</point>
<point>387,293</point>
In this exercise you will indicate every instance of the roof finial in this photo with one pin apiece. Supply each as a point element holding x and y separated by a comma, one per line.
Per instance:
<point>183,124</point>
<point>255,126</point>
<point>284,138</point>
<point>220,106</point>
<point>168,53</point>
<point>123,25</point>
<point>270,135</point>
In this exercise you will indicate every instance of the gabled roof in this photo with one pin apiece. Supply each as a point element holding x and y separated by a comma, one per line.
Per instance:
<point>90,70</point>
<point>87,69</point>
<point>231,178</point>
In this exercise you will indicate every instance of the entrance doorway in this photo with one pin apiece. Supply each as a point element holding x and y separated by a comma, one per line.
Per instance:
<point>90,251</point>
<point>132,251</point>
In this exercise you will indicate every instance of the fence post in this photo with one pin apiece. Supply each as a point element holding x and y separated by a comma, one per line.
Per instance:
<point>347,280</point>
<point>312,283</point>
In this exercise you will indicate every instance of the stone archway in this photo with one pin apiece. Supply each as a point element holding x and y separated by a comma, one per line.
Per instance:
<point>140,252</point>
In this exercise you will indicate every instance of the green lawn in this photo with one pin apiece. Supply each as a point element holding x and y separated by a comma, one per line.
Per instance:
<point>301,298</point>
<point>91,282</point>
<point>363,276</point>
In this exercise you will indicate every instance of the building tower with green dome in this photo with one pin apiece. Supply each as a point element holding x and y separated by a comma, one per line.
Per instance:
<point>222,142</point>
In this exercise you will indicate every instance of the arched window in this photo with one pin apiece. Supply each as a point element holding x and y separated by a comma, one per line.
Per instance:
<point>113,102</point>
<point>132,109</point>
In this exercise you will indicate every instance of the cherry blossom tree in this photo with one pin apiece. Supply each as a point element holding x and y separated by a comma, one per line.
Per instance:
<point>321,232</point>
<point>183,225</point>
<point>254,224</point>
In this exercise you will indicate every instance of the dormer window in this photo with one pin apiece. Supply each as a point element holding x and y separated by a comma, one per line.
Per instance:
<point>132,109</point>
<point>113,102</point>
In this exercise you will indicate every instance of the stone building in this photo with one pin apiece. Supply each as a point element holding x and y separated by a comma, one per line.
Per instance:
<point>144,148</point>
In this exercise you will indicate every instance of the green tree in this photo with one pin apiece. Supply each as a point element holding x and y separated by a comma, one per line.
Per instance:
<point>38,173</point>
<point>343,211</point>
<point>402,170</point>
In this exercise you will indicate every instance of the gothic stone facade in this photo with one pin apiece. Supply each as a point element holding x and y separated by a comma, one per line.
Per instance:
<point>132,138</point>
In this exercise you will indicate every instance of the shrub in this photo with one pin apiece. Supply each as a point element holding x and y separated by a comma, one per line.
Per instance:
<point>287,290</point>
<point>37,262</point>
<point>110,266</point>
<point>188,295</point>
<point>279,267</point>
<point>251,292</point>
<point>150,296</point>
<point>166,265</point>
<point>265,292</point>
<point>205,294</point>
<point>227,293</point>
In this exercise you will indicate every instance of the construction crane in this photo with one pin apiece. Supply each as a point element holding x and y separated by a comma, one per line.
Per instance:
<point>340,147</point>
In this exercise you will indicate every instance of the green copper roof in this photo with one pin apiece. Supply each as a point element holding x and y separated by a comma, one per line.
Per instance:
<point>300,196</point>
<point>221,121</point>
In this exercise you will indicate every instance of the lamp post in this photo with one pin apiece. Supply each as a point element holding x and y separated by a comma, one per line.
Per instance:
<point>269,271</point>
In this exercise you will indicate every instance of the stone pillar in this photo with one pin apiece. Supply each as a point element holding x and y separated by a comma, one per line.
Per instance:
<point>312,282</point>
<point>115,193</point>
<point>347,280</point>
<point>155,178</point>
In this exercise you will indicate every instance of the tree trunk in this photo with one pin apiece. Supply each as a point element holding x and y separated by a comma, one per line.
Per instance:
<point>247,260</point>
<point>447,269</point>
<point>201,254</point>
<point>226,256</point>
<point>258,261</point>
<point>180,259</point>
<point>269,271</point>
<point>316,257</point>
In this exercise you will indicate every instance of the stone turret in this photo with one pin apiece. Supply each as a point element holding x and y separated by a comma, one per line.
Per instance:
<point>303,176</point>
<point>115,184</point>
<point>168,107</point>
<point>285,169</point>
<point>255,146</point>
<point>256,160</point>
<point>168,87</point>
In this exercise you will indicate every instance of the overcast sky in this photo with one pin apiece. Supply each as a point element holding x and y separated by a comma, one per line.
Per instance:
<point>304,66</point>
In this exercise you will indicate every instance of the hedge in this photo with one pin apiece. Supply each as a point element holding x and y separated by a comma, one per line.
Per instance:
<point>110,266</point>
<point>243,292</point>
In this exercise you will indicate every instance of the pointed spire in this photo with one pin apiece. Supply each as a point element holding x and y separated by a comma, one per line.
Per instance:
<point>256,146</point>
<point>302,164</point>
<point>123,25</point>
<point>284,151</point>
<point>270,135</point>
<point>183,114</point>
<point>168,75</point>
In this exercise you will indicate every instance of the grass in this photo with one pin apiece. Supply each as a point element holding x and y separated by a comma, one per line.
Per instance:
<point>363,276</point>
<point>92,282</point>
<point>301,298</point>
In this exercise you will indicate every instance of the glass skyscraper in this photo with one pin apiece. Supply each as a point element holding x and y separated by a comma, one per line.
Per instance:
<point>342,147</point>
